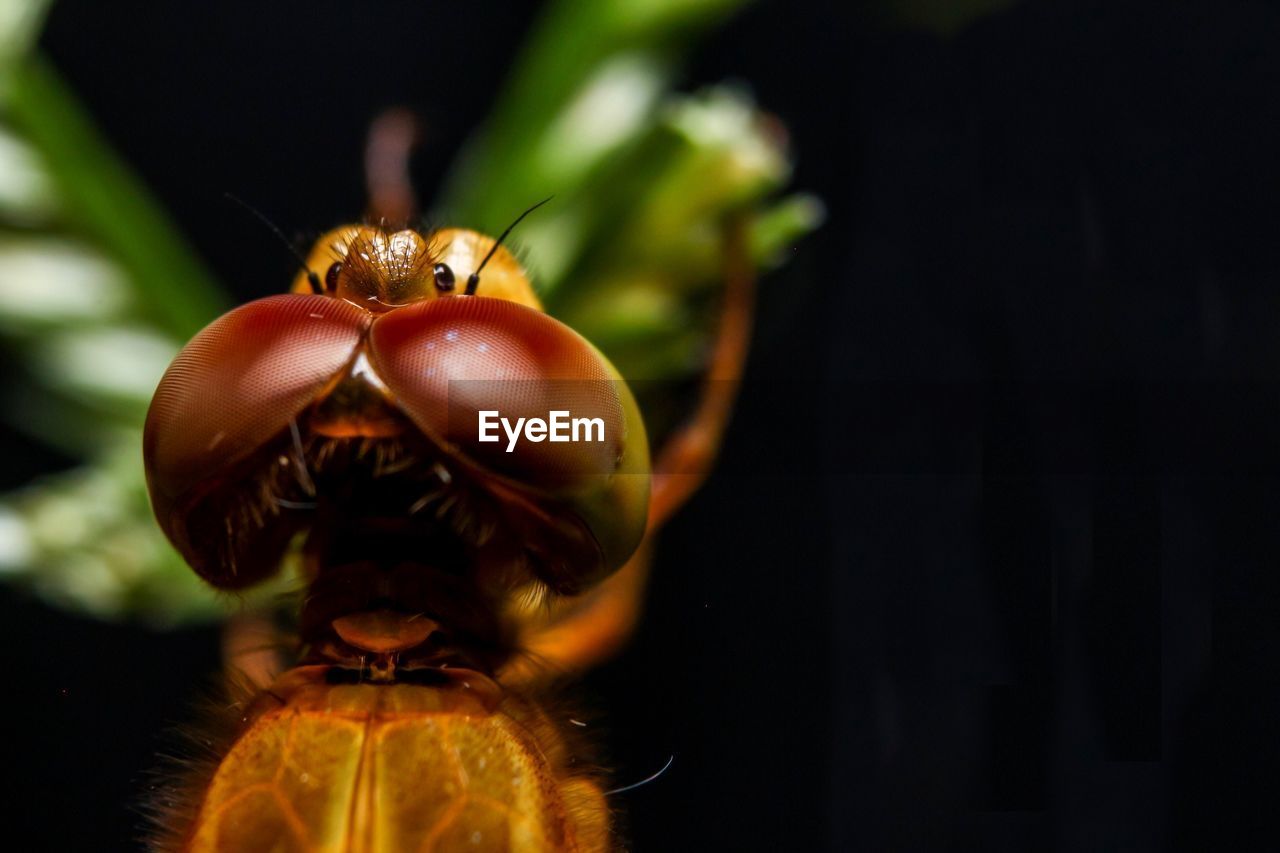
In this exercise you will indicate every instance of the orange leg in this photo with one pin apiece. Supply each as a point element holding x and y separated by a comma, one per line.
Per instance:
<point>682,464</point>
<point>254,649</point>
<point>386,167</point>
<point>579,633</point>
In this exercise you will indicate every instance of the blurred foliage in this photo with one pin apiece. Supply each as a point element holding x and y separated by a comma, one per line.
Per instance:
<point>628,254</point>
<point>89,319</point>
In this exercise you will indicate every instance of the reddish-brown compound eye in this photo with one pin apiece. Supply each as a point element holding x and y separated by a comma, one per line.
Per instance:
<point>463,368</point>
<point>230,392</point>
<point>448,360</point>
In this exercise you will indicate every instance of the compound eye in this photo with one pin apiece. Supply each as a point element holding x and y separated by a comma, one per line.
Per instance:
<point>445,281</point>
<point>447,361</point>
<point>226,400</point>
<point>524,397</point>
<point>331,277</point>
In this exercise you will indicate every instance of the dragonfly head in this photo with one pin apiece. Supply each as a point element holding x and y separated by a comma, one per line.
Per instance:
<point>380,270</point>
<point>359,414</point>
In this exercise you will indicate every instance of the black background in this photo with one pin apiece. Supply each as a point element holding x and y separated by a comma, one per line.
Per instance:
<point>990,562</point>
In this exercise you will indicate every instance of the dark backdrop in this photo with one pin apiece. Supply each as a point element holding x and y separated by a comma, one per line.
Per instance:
<point>990,563</point>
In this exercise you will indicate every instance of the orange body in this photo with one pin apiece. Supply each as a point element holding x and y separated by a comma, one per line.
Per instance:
<point>359,768</point>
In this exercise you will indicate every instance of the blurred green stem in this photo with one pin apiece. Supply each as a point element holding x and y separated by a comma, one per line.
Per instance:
<point>637,41</point>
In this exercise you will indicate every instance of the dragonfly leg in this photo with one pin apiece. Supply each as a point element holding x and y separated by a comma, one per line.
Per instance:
<point>254,649</point>
<point>386,167</point>
<point>684,460</point>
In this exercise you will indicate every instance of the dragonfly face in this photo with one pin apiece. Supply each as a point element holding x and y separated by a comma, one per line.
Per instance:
<point>349,417</point>
<point>379,270</point>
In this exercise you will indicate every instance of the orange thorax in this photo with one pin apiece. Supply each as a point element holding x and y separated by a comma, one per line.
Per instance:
<point>365,767</point>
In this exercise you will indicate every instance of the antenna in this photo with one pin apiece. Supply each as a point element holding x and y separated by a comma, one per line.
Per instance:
<point>314,280</point>
<point>473,280</point>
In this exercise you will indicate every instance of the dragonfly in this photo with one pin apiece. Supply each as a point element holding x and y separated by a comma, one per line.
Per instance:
<point>449,580</point>
<point>446,587</point>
